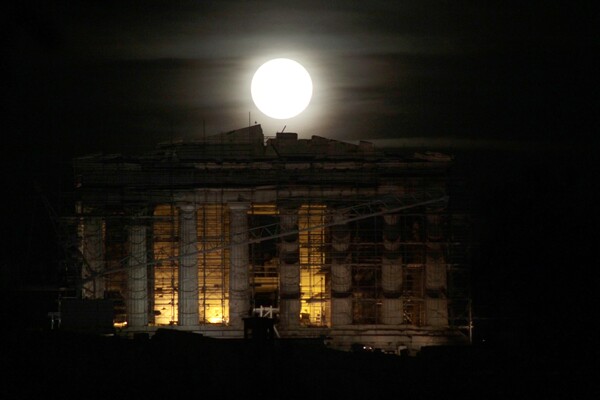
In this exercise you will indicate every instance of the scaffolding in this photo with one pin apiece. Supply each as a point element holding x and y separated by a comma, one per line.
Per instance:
<point>399,249</point>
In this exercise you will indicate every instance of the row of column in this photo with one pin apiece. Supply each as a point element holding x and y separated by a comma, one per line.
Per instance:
<point>188,296</point>
<point>289,273</point>
<point>137,301</point>
<point>392,307</point>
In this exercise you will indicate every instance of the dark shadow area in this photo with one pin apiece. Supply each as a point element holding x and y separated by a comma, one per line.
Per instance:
<point>172,363</point>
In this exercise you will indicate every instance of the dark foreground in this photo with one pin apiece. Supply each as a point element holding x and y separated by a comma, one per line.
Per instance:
<point>173,364</point>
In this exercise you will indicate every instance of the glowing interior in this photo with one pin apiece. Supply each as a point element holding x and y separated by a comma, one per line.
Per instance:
<point>313,289</point>
<point>213,265</point>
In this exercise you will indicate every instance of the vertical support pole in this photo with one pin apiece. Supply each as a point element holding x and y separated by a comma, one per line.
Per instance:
<point>341,273</point>
<point>289,268</point>
<point>239,284</point>
<point>436,301</point>
<point>391,272</point>
<point>93,258</point>
<point>150,270</point>
<point>137,280</point>
<point>188,266</point>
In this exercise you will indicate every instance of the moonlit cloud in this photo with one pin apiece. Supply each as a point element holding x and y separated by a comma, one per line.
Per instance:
<point>380,69</point>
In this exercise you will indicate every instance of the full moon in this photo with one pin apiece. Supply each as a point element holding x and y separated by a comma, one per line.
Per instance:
<point>281,88</point>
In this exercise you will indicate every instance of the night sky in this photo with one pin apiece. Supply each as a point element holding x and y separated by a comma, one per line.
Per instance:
<point>507,89</point>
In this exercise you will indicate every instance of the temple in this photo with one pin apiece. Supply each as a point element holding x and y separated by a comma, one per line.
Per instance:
<point>328,239</point>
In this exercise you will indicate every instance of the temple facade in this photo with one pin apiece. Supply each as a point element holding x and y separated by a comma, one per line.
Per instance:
<point>330,239</point>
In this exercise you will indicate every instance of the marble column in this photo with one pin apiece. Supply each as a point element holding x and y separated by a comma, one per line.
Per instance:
<point>188,266</point>
<point>289,268</point>
<point>391,272</point>
<point>239,262</point>
<point>341,272</point>
<point>93,258</point>
<point>137,279</point>
<point>436,302</point>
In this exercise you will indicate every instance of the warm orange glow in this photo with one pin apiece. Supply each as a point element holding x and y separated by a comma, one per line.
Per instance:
<point>166,250</point>
<point>314,302</point>
<point>213,263</point>
<point>216,319</point>
<point>119,325</point>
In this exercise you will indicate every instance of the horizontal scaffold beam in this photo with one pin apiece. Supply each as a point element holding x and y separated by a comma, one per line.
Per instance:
<point>388,204</point>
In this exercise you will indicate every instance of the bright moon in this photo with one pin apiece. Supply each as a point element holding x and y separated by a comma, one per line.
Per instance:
<point>281,88</point>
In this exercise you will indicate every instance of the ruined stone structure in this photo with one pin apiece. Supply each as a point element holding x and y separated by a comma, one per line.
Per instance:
<point>333,239</point>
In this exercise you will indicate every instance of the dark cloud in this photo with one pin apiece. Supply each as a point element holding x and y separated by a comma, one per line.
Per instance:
<point>120,71</point>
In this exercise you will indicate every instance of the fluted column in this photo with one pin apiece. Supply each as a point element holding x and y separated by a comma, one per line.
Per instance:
<point>93,258</point>
<point>137,279</point>
<point>188,266</point>
<point>391,272</point>
<point>289,268</point>
<point>239,283</point>
<point>436,302</point>
<point>341,272</point>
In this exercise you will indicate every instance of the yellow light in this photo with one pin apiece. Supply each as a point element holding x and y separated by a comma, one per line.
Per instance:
<point>215,319</point>
<point>312,259</point>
